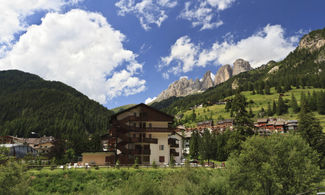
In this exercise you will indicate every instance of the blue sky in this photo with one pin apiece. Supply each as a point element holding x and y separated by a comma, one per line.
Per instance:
<point>119,52</point>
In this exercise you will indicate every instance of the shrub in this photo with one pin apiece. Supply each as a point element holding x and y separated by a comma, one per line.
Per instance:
<point>279,164</point>
<point>154,165</point>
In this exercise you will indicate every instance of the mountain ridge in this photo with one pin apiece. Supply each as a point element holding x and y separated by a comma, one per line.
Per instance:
<point>185,86</point>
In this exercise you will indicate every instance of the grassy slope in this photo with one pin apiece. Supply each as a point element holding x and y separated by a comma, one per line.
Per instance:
<point>259,102</point>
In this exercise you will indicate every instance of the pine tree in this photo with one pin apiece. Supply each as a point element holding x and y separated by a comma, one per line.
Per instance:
<point>294,104</point>
<point>267,89</point>
<point>310,129</point>
<point>269,111</point>
<point>194,145</point>
<point>206,146</point>
<point>321,102</point>
<point>242,122</point>
<point>313,101</point>
<point>251,114</point>
<point>274,107</point>
<point>282,107</point>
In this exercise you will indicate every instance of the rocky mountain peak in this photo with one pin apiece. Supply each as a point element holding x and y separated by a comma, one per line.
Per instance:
<point>312,41</point>
<point>224,73</point>
<point>207,81</point>
<point>185,86</point>
<point>240,66</point>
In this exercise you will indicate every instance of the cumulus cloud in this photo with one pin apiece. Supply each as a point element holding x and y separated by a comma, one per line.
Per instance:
<point>14,13</point>
<point>182,56</point>
<point>147,11</point>
<point>81,49</point>
<point>270,43</point>
<point>149,100</point>
<point>204,13</point>
<point>267,44</point>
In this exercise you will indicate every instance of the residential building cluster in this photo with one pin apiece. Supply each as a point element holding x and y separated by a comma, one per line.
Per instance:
<point>144,135</point>
<point>20,147</point>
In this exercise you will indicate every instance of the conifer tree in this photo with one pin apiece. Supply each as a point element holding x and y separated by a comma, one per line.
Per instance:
<point>274,108</point>
<point>194,145</point>
<point>267,89</point>
<point>251,114</point>
<point>321,102</point>
<point>282,107</point>
<point>310,129</point>
<point>269,111</point>
<point>313,101</point>
<point>242,122</point>
<point>294,104</point>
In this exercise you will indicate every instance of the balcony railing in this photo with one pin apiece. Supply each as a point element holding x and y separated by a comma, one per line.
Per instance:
<point>173,152</point>
<point>144,140</point>
<point>173,142</point>
<point>144,151</point>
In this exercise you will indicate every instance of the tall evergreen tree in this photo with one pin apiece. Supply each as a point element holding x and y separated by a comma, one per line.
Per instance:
<point>269,111</point>
<point>321,103</point>
<point>274,107</point>
<point>207,146</point>
<point>294,104</point>
<point>310,129</point>
<point>267,89</point>
<point>282,107</point>
<point>242,122</point>
<point>194,145</point>
<point>313,101</point>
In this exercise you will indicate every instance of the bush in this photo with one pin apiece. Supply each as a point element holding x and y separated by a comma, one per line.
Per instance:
<point>136,163</point>
<point>154,165</point>
<point>279,164</point>
<point>13,179</point>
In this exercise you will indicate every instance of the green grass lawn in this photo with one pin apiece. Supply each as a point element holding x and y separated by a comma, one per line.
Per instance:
<point>259,102</point>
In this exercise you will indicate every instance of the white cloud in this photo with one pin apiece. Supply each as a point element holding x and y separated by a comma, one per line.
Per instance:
<point>204,13</point>
<point>14,12</point>
<point>268,44</point>
<point>221,4</point>
<point>147,11</point>
<point>149,100</point>
<point>182,56</point>
<point>81,49</point>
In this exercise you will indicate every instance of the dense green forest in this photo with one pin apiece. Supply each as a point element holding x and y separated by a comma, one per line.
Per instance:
<point>30,104</point>
<point>300,69</point>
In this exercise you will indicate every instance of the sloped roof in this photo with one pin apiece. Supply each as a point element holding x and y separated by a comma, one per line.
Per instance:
<point>142,105</point>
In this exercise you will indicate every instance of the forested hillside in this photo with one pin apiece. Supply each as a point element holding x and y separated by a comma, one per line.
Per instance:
<point>304,67</point>
<point>30,104</point>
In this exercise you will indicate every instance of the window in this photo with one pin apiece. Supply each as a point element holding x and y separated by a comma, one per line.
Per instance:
<point>144,125</point>
<point>134,125</point>
<point>161,159</point>
<point>150,125</point>
<point>134,114</point>
<point>161,147</point>
<point>150,136</point>
<point>134,135</point>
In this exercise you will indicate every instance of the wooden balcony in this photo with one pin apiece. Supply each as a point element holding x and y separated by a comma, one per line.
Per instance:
<point>173,142</point>
<point>173,152</point>
<point>142,152</point>
<point>144,140</point>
